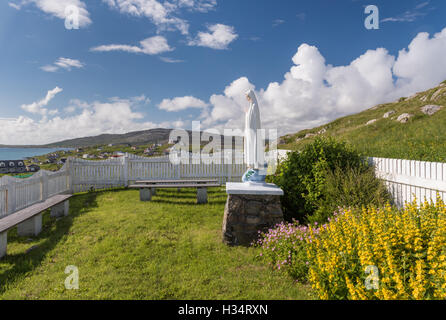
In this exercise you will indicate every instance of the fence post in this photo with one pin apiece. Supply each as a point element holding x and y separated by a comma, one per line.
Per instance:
<point>178,173</point>
<point>126,170</point>
<point>68,175</point>
<point>44,186</point>
<point>11,197</point>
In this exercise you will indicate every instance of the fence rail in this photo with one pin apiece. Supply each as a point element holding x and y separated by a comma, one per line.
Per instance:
<point>405,179</point>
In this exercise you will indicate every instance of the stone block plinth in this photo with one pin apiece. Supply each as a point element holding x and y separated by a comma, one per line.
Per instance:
<point>250,208</point>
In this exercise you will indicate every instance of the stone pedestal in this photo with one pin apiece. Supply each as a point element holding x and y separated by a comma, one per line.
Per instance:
<point>250,207</point>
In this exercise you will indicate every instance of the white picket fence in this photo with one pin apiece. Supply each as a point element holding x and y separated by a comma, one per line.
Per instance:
<point>16,194</point>
<point>405,179</point>
<point>409,179</point>
<point>87,175</point>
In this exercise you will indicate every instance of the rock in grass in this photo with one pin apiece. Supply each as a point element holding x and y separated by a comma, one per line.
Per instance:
<point>388,114</point>
<point>437,95</point>
<point>371,122</point>
<point>413,96</point>
<point>32,248</point>
<point>431,109</point>
<point>309,135</point>
<point>404,118</point>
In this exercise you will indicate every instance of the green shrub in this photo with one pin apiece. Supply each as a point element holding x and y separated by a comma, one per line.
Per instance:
<point>302,176</point>
<point>352,187</point>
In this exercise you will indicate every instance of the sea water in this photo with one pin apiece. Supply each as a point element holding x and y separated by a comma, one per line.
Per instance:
<point>22,153</point>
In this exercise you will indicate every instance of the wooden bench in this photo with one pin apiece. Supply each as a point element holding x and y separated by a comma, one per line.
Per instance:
<point>153,190</point>
<point>29,220</point>
<point>148,188</point>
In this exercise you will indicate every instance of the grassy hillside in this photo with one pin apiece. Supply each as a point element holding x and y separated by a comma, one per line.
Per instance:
<point>423,137</point>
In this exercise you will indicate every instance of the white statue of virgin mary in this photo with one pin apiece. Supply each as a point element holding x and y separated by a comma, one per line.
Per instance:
<point>254,144</point>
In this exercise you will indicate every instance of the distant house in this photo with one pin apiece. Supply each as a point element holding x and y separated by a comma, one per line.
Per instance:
<point>173,140</point>
<point>119,153</point>
<point>33,168</point>
<point>52,159</point>
<point>12,166</point>
<point>149,151</point>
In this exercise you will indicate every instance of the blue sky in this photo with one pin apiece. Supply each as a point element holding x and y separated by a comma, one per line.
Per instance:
<point>57,83</point>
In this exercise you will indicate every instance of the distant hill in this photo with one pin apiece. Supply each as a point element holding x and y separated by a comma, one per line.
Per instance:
<point>421,137</point>
<point>133,138</point>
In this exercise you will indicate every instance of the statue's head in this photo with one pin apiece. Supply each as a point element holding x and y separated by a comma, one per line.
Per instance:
<point>250,95</point>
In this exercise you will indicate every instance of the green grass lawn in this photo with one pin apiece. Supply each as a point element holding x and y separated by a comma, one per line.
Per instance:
<point>169,248</point>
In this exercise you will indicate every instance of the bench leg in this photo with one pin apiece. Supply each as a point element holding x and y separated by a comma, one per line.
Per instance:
<point>3,243</point>
<point>153,191</point>
<point>60,209</point>
<point>145,194</point>
<point>202,195</point>
<point>30,227</point>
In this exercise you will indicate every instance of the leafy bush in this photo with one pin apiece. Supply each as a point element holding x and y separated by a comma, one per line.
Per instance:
<point>352,187</point>
<point>303,174</point>
<point>406,247</point>
<point>284,248</point>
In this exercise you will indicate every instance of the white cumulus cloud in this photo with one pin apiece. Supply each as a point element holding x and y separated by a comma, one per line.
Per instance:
<point>181,103</point>
<point>218,37</point>
<point>57,8</point>
<point>151,46</point>
<point>313,92</point>
<point>37,107</point>
<point>63,63</point>
<point>115,116</point>
<point>162,14</point>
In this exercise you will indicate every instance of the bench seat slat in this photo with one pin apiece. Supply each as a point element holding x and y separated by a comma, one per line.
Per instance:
<point>20,216</point>
<point>174,181</point>
<point>164,186</point>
